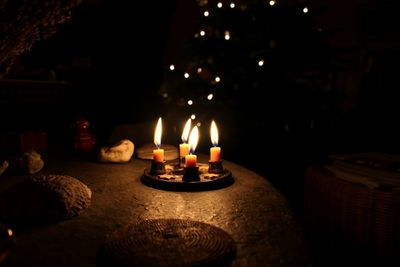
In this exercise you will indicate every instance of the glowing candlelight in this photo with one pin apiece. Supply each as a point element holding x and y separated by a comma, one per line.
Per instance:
<point>215,152</point>
<point>191,159</point>
<point>158,154</point>
<point>184,147</point>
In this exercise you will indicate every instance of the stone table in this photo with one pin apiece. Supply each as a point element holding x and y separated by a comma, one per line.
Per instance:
<point>251,210</point>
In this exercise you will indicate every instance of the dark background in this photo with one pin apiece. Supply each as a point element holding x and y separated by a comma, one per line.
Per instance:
<point>107,64</point>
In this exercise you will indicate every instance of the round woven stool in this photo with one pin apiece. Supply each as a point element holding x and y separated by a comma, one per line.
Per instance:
<point>167,242</point>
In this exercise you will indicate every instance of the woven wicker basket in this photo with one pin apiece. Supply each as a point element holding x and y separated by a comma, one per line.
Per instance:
<point>351,214</point>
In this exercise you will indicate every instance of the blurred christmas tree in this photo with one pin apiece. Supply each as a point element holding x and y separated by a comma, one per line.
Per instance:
<point>254,65</point>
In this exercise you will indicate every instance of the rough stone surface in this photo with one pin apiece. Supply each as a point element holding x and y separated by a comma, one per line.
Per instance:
<point>44,199</point>
<point>119,152</point>
<point>251,211</point>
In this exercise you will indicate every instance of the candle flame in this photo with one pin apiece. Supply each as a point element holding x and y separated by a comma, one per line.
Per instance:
<point>186,130</point>
<point>214,133</point>
<point>193,139</point>
<point>157,134</point>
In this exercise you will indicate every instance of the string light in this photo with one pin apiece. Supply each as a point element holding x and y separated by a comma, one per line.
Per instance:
<point>196,35</point>
<point>171,67</point>
<point>219,5</point>
<point>206,13</point>
<point>210,96</point>
<point>202,33</point>
<point>190,102</point>
<point>193,117</point>
<point>261,63</point>
<point>198,124</point>
<point>186,75</point>
<point>286,127</point>
<point>305,10</point>
<point>272,2</point>
<point>227,35</point>
<point>217,79</point>
<point>165,95</point>
<point>232,5</point>
<point>199,70</point>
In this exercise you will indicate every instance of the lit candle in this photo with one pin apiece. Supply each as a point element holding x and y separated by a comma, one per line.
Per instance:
<point>158,154</point>
<point>191,159</point>
<point>215,152</point>
<point>184,147</point>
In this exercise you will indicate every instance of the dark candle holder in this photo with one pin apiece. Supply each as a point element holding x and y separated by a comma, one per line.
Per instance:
<point>215,167</point>
<point>171,176</point>
<point>191,174</point>
<point>157,167</point>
